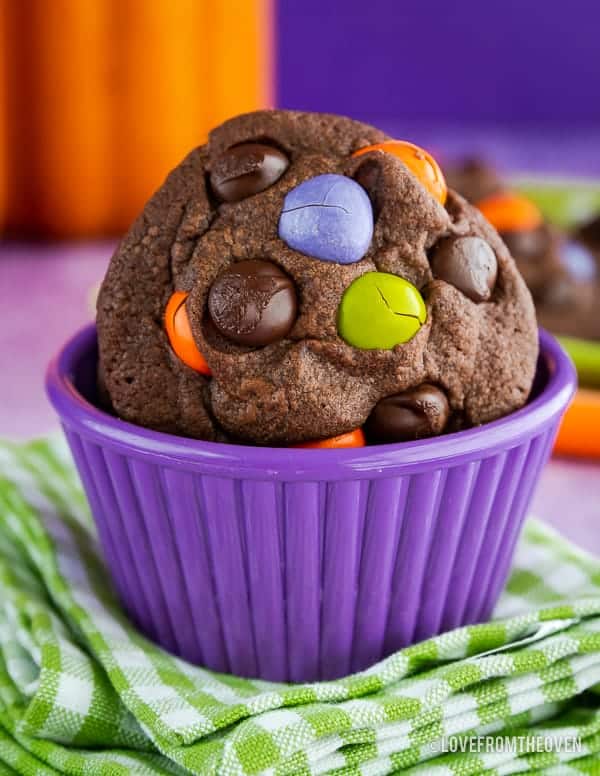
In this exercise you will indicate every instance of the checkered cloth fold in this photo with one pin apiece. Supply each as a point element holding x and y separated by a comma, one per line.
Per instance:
<point>82,693</point>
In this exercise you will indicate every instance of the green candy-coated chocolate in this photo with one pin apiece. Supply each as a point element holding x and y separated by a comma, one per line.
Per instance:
<point>586,356</point>
<point>379,311</point>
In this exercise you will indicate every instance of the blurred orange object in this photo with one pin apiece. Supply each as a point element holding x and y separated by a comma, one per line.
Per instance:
<point>354,438</point>
<point>422,165</point>
<point>579,433</point>
<point>162,93</point>
<point>241,53</point>
<point>510,212</point>
<point>104,97</point>
<point>71,114</point>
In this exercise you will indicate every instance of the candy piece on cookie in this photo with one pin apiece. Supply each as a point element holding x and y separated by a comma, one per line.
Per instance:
<point>180,335</point>
<point>245,170</point>
<point>380,311</point>
<point>328,217</point>
<point>422,165</point>
<point>467,263</point>
<point>253,303</point>
<point>413,414</point>
<point>354,438</point>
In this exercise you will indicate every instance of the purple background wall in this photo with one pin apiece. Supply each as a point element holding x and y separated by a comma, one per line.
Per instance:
<point>475,60</point>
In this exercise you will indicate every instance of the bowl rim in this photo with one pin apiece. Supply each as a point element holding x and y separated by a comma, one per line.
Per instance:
<point>81,417</point>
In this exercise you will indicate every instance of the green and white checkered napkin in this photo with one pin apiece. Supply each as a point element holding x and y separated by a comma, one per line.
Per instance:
<point>82,693</point>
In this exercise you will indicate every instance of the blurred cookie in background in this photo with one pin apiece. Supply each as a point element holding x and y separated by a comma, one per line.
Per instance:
<point>567,303</point>
<point>562,270</point>
<point>474,179</point>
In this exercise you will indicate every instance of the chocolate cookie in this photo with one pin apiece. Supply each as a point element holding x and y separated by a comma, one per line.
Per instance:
<point>280,287</point>
<point>562,277</point>
<point>562,272</point>
<point>567,301</point>
<point>474,179</point>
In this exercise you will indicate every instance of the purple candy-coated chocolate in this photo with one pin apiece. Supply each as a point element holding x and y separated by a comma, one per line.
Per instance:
<point>328,217</point>
<point>300,565</point>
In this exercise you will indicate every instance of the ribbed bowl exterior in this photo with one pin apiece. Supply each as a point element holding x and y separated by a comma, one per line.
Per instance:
<point>300,565</point>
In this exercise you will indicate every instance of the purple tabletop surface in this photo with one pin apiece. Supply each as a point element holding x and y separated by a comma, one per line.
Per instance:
<point>46,294</point>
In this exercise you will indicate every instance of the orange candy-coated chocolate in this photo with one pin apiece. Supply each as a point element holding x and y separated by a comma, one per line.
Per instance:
<point>510,212</point>
<point>422,165</point>
<point>354,438</point>
<point>580,428</point>
<point>180,335</point>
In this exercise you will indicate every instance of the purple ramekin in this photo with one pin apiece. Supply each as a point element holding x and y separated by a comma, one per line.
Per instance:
<point>300,565</point>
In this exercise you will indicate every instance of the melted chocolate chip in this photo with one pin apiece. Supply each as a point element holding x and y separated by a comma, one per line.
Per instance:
<point>474,179</point>
<point>589,233</point>
<point>413,414</point>
<point>467,263</point>
<point>253,303</point>
<point>245,170</point>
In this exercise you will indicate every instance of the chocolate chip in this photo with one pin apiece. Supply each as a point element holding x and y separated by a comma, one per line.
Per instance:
<point>589,233</point>
<point>413,414</point>
<point>246,169</point>
<point>529,244</point>
<point>253,303</point>
<point>467,263</point>
<point>474,179</point>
